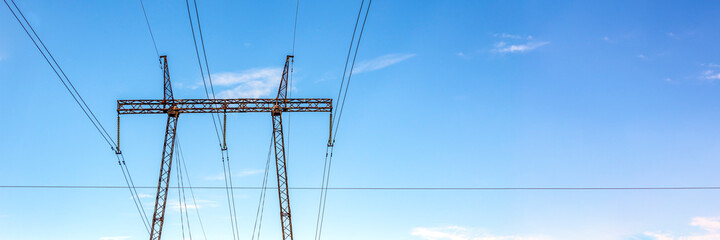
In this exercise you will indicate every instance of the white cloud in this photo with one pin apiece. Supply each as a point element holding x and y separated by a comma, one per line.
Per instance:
<point>710,65</point>
<point>381,62</point>
<point>175,205</point>
<point>114,238</point>
<point>503,47</point>
<point>142,195</point>
<point>511,36</point>
<point>243,173</point>
<point>710,75</point>
<point>461,233</point>
<point>606,38</point>
<point>218,176</point>
<point>711,226</point>
<point>253,83</point>
<point>642,56</point>
<point>249,172</point>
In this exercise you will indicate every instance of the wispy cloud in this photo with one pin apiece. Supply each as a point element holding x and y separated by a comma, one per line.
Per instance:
<point>461,233</point>
<point>243,173</point>
<point>218,176</point>
<point>381,62</point>
<point>503,47</point>
<point>253,83</point>
<point>143,195</point>
<point>114,238</point>
<point>175,205</point>
<point>511,36</point>
<point>711,73</point>
<point>513,43</point>
<point>711,226</point>
<point>248,172</point>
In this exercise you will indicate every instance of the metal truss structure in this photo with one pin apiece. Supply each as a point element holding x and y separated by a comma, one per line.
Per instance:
<point>174,107</point>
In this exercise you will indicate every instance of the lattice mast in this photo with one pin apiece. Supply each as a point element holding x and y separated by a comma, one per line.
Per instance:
<point>167,154</point>
<point>173,107</point>
<point>280,163</point>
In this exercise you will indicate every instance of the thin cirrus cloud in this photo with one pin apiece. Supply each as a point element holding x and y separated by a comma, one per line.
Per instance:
<point>243,173</point>
<point>503,47</point>
<point>461,233</point>
<point>711,74</point>
<point>710,225</point>
<point>381,62</point>
<point>175,205</point>
<point>253,83</point>
<point>513,43</point>
<point>262,82</point>
<point>114,238</point>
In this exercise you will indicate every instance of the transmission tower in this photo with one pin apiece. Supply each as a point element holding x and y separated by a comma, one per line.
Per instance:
<point>174,107</point>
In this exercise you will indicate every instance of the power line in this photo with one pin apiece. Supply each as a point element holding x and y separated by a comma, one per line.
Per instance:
<point>66,81</point>
<point>83,106</point>
<point>149,29</point>
<point>227,192</point>
<point>232,194</point>
<point>202,42</point>
<point>180,200</point>
<point>336,122</point>
<point>133,192</point>
<point>223,149</point>
<point>261,201</point>
<point>202,72</point>
<point>192,193</point>
<point>381,188</point>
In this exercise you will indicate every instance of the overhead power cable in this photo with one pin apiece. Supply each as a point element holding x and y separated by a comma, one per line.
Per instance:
<point>192,193</point>
<point>261,201</point>
<point>180,199</point>
<point>202,71</point>
<point>70,87</point>
<point>65,81</point>
<point>223,148</point>
<point>152,36</point>
<point>135,196</point>
<point>660,188</point>
<point>336,122</point>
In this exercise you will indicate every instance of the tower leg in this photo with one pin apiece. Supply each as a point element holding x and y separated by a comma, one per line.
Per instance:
<point>164,181</point>
<point>285,217</point>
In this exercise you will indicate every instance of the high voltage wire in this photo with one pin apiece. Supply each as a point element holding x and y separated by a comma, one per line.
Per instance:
<point>336,122</point>
<point>152,36</point>
<point>381,188</point>
<point>225,157</point>
<point>180,202</point>
<point>261,201</point>
<point>192,193</point>
<point>65,81</point>
<point>83,105</point>
<point>202,72</point>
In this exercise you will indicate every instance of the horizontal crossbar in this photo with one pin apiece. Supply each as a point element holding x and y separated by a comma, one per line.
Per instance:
<point>223,105</point>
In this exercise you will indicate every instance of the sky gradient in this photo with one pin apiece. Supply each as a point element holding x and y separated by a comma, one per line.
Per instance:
<point>445,94</point>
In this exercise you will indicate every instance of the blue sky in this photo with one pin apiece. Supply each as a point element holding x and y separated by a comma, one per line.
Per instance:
<point>446,94</point>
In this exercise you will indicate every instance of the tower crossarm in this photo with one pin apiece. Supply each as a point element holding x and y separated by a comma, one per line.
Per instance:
<point>237,105</point>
